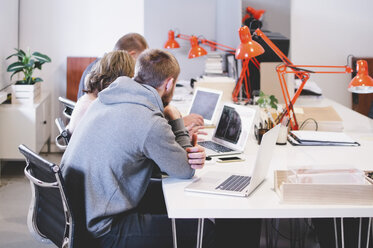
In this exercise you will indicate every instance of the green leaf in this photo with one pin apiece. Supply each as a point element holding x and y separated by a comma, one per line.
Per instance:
<point>14,54</point>
<point>37,80</point>
<point>41,57</point>
<point>273,105</point>
<point>38,65</point>
<point>15,72</point>
<point>20,51</point>
<point>15,66</point>
<point>261,93</point>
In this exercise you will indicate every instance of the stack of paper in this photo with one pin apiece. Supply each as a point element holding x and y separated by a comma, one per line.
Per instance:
<point>313,138</point>
<point>214,64</point>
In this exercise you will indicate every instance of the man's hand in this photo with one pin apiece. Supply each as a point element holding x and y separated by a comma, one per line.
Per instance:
<point>193,129</point>
<point>196,154</point>
<point>171,113</point>
<point>195,119</point>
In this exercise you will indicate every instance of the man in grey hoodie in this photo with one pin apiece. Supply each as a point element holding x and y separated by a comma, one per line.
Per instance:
<point>109,160</point>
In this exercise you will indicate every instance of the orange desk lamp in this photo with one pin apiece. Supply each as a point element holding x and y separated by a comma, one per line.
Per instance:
<point>254,13</point>
<point>361,83</point>
<point>197,51</point>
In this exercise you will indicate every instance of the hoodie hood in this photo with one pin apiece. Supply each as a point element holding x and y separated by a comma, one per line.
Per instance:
<point>127,90</point>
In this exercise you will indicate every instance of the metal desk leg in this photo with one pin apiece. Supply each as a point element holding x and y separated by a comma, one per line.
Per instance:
<point>359,237</point>
<point>200,233</point>
<point>174,237</point>
<point>368,232</point>
<point>335,232</point>
<point>342,234</point>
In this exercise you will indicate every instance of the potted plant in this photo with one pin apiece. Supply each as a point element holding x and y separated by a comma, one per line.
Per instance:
<point>267,102</point>
<point>27,89</point>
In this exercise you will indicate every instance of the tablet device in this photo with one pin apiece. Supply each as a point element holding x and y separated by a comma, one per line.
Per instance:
<point>205,103</point>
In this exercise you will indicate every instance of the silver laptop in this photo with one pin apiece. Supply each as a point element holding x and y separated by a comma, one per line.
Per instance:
<point>205,102</point>
<point>217,182</point>
<point>232,131</point>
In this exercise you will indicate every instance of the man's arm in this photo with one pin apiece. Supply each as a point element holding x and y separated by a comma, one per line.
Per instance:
<point>166,144</point>
<point>166,148</point>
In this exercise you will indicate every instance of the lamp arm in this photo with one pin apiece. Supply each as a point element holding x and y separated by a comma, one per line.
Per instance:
<point>183,36</point>
<point>296,69</point>
<point>219,46</point>
<point>300,72</point>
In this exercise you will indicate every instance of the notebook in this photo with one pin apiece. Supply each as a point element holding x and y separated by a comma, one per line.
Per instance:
<point>205,102</point>
<point>232,131</point>
<point>319,138</point>
<point>218,182</point>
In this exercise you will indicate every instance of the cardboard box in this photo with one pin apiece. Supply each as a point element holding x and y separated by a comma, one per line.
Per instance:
<point>306,193</point>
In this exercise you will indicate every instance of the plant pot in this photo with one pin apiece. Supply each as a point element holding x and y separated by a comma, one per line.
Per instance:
<point>25,93</point>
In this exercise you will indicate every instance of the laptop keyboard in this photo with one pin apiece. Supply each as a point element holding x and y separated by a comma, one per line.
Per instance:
<point>235,183</point>
<point>215,146</point>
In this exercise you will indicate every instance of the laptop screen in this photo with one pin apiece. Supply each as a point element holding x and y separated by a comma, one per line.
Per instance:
<point>230,125</point>
<point>204,103</point>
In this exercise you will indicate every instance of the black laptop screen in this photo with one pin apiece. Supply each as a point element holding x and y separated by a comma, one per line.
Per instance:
<point>204,104</point>
<point>229,126</point>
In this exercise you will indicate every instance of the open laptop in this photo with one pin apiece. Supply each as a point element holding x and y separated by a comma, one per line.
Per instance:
<point>217,182</point>
<point>205,102</point>
<point>232,131</point>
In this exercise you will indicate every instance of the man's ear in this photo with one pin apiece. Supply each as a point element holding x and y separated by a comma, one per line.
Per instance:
<point>169,83</point>
<point>133,54</point>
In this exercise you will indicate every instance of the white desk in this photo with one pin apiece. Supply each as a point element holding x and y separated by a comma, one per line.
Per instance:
<point>264,202</point>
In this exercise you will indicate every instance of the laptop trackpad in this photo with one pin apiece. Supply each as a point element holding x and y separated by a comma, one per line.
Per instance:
<point>209,180</point>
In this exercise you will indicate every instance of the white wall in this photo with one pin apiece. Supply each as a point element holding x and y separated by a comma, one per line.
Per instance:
<point>74,28</point>
<point>325,33</point>
<point>276,17</point>
<point>8,38</point>
<point>190,17</point>
<point>228,21</point>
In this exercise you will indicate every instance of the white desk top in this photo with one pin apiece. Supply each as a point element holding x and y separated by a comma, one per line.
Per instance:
<point>264,202</point>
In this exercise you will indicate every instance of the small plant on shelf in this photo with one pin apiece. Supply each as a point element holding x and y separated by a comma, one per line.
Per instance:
<point>27,63</point>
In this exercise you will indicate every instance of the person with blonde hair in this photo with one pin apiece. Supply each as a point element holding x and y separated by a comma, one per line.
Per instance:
<point>111,66</point>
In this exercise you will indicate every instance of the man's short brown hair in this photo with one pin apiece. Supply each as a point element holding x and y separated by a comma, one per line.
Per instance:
<point>111,66</point>
<point>154,66</point>
<point>131,42</point>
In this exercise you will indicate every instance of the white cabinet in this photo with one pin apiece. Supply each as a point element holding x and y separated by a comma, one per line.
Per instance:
<point>27,124</point>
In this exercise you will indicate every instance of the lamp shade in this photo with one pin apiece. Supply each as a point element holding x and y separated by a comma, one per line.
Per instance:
<point>257,14</point>
<point>171,42</point>
<point>248,47</point>
<point>362,83</point>
<point>196,50</point>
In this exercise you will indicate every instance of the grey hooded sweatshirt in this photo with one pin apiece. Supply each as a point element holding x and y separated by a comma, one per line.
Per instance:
<point>108,162</point>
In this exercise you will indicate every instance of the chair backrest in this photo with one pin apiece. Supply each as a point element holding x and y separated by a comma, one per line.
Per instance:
<point>50,217</point>
<point>62,140</point>
<point>69,106</point>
